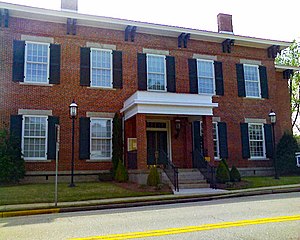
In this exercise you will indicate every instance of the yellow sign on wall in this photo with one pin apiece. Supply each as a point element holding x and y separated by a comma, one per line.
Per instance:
<point>131,144</point>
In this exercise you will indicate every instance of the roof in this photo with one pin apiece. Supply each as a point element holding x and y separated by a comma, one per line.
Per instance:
<point>57,16</point>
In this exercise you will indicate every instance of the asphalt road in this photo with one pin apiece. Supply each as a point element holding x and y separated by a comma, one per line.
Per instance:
<point>275,216</point>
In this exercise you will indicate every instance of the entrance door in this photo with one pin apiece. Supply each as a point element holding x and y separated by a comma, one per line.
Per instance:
<point>157,147</point>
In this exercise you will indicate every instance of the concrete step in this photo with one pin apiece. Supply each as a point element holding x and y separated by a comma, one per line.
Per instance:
<point>193,185</point>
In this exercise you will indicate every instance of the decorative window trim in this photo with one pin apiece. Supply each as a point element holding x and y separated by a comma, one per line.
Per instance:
<point>213,77</point>
<point>250,62</point>
<point>205,57</point>
<point>263,143</point>
<point>111,69</point>
<point>156,51</point>
<point>34,112</point>
<point>255,120</point>
<point>101,46</point>
<point>37,39</point>
<point>43,159</point>
<point>216,119</point>
<point>165,72</point>
<point>106,115</point>
<point>258,82</point>
<point>110,138</point>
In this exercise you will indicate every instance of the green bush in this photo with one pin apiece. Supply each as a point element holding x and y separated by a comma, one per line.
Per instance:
<point>222,175</point>
<point>225,163</point>
<point>117,140</point>
<point>12,165</point>
<point>121,174</point>
<point>153,177</point>
<point>235,175</point>
<point>285,154</point>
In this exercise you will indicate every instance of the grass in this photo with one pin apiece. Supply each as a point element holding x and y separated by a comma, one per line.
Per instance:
<point>255,182</point>
<point>41,193</point>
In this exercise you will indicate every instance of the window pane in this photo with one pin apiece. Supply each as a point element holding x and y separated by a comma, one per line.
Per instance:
<point>251,81</point>
<point>205,77</point>
<point>215,140</point>
<point>101,68</point>
<point>256,140</point>
<point>156,72</point>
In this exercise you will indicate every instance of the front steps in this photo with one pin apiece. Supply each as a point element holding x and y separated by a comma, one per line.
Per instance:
<point>191,179</point>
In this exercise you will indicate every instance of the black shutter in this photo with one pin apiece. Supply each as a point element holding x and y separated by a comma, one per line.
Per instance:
<point>142,71</point>
<point>51,147</point>
<point>54,77</point>
<point>84,138</point>
<point>18,60</point>
<point>240,80</point>
<point>16,128</point>
<point>219,78</point>
<point>268,140</point>
<point>193,76</point>
<point>85,66</point>
<point>245,140</point>
<point>196,135</point>
<point>222,132</point>
<point>117,69</point>
<point>263,82</point>
<point>171,76</point>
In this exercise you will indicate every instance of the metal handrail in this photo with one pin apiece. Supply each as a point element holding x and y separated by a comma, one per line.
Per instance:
<point>171,171</point>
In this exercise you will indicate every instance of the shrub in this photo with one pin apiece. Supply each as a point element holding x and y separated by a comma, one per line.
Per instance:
<point>12,165</point>
<point>225,163</point>
<point>222,175</point>
<point>235,175</point>
<point>153,177</point>
<point>121,174</point>
<point>285,154</point>
<point>117,140</point>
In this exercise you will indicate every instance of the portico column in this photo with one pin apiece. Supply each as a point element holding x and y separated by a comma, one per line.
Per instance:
<point>141,136</point>
<point>208,143</point>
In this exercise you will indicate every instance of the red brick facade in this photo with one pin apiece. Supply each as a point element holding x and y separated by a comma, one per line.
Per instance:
<point>231,109</point>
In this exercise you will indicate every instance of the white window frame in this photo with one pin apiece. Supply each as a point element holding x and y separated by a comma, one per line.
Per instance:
<point>165,72</point>
<point>25,62</point>
<point>111,133</point>
<point>111,69</point>
<point>23,138</point>
<point>217,139</point>
<point>263,142</point>
<point>258,77</point>
<point>213,76</point>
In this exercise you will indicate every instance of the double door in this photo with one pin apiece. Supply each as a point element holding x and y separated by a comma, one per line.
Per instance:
<point>157,147</point>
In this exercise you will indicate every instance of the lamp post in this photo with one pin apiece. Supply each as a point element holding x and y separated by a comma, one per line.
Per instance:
<point>73,114</point>
<point>272,116</point>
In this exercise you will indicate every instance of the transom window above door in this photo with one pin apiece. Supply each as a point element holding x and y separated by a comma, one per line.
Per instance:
<point>156,72</point>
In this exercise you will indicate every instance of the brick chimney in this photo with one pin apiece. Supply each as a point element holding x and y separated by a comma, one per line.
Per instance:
<point>69,5</point>
<point>225,23</point>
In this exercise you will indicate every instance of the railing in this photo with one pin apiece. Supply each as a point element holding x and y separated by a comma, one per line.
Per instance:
<point>208,171</point>
<point>171,171</point>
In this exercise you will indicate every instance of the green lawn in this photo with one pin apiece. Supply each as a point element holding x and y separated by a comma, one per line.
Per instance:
<point>40,193</point>
<point>255,182</point>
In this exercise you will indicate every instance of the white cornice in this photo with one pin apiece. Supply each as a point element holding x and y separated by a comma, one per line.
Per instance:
<point>281,68</point>
<point>42,14</point>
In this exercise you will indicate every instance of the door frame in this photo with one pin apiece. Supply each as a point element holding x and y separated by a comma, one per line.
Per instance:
<point>167,129</point>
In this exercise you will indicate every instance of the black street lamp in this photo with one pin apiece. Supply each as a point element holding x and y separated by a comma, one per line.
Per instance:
<point>272,116</point>
<point>73,114</point>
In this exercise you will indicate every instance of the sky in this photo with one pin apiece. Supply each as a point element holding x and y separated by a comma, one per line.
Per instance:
<point>269,19</point>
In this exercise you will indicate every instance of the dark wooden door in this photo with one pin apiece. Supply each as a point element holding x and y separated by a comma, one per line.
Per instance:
<point>157,147</point>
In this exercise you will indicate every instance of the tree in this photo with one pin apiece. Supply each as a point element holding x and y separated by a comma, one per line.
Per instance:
<point>117,142</point>
<point>291,57</point>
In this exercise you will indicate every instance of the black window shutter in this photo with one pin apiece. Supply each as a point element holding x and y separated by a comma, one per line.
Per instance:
<point>18,61</point>
<point>171,75</point>
<point>268,140</point>
<point>84,138</point>
<point>196,135</point>
<point>219,78</point>
<point>16,128</point>
<point>117,69</point>
<point>222,132</point>
<point>54,77</point>
<point>240,80</point>
<point>245,140</point>
<point>193,76</point>
<point>263,81</point>
<point>85,66</point>
<point>51,146</point>
<point>142,71</point>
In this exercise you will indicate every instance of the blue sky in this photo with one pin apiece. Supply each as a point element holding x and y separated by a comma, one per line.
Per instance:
<point>256,18</point>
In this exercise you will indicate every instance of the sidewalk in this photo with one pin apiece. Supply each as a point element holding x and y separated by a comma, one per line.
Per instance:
<point>183,196</point>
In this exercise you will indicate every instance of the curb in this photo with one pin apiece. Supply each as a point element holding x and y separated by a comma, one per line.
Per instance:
<point>142,202</point>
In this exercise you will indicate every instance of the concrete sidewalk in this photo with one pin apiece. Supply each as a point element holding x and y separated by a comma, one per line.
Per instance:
<point>182,197</point>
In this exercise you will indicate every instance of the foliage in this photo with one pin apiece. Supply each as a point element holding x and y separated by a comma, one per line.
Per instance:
<point>222,175</point>
<point>255,182</point>
<point>153,177</point>
<point>225,163</point>
<point>12,165</point>
<point>235,175</point>
<point>121,174</point>
<point>117,142</point>
<point>291,57</point>
<point>285,154</point>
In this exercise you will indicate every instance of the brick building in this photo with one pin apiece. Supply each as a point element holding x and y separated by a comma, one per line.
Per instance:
<point>183,94</point>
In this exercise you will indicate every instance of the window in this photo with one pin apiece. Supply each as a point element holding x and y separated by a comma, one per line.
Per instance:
<point>101,68</point>
<point>101,138</point>
<point>206,78</point>
<point>256,140</point>
<point>34,142</point>
<point>37,62</point>
<point>156,72</point>
<point>216,140</point>
<point>252,81</point>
